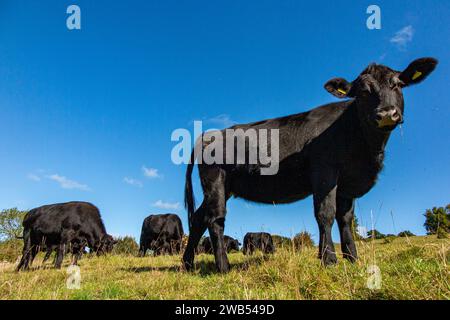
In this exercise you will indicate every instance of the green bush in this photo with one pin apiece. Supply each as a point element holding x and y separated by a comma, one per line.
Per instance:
<point>388,238</point>
<point>442,233</point>
<point>10,250</point>
<point>281,242</point>
<point>437,218</point>
<point>355,227</point>
<point>303,240</point>
<point>406,233</point>
<point>126,246</point>
<point>375,234</point>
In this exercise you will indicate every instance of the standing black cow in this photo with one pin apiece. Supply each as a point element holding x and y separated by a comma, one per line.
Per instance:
<point>162,234</point>
<point>73,224</point>
<point>262,241</point>
<point>230,245</point>
<point>334,152</point>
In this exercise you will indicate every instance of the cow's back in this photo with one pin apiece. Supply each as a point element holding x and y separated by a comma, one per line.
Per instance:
<point>169,223</point>
<point>82,216</point>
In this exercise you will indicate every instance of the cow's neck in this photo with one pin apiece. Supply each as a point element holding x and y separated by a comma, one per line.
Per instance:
<point>375,140</point>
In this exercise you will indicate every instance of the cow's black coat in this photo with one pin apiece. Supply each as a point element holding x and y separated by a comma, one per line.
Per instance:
<point>230,245</point>
<point>162,234</point>
<point>73,224</point>
<point>334,152</point>
<point>260,240</point>
<point>76,249</point>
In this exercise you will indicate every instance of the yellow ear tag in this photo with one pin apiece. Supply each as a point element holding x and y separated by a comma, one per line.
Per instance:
<point>416,75</point>
<point>342,91</point>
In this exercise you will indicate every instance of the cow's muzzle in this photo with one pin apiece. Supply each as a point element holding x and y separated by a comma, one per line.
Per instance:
<point>389,117</point>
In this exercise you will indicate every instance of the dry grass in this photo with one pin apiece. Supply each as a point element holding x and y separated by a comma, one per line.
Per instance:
<point>411,268</point>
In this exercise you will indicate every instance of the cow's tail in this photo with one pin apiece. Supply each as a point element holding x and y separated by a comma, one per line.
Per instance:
<point>189,199</point>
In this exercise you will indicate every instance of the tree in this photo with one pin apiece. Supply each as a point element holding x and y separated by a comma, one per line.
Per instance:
<point>375,234</point>
<point>437,221</point>
<point>303,240</point>
<point>355,228</point>
<point>406,233</point>
<point>280,241</point>
<point>126,245</point>
<point>11,223</point>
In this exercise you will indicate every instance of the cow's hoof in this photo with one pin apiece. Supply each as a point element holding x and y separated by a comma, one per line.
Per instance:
<point>223,268</point>
<point>329,260</point>
<point>188,264</point>
<point>188,267</point>
<point>350,257</point>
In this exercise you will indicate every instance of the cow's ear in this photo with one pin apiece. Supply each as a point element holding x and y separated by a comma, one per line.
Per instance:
<point>418,71</point>
<point>338,87</point>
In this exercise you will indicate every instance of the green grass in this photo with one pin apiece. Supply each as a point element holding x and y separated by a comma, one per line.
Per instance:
<point>411,268</point>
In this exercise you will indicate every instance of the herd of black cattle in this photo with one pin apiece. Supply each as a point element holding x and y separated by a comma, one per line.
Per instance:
<point>74,226</point>
<point>333,153</point>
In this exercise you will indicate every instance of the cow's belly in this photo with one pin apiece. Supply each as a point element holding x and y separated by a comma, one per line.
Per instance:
<point>280,188</point>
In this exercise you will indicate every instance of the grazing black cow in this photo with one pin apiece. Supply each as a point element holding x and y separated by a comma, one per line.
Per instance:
<point>162,234</point>
<point>74,224</point>
<point>230,245</point>
<point>334,152</point>
<point>261,240</point>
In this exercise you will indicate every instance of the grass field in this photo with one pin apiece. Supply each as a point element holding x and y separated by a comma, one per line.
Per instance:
<point>411,268</point>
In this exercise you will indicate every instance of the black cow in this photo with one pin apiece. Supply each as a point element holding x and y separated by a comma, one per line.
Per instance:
<point>230,245</point>
<point>334,152</point>
<point>262,241</point>
<point>162,234</point>
<point>72,224</point>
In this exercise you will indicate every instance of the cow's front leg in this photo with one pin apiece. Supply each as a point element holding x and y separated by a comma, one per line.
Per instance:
<point>325,211</point>
<point>344,216</point>
<point>60,255</point>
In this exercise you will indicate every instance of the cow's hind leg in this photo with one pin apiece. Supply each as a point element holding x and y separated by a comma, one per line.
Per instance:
<point>26,252</point>
<point>198,228</point>
<point>344,216</point>
<point>34,251</point>
<point>215,199</point>
<point>211,215</point>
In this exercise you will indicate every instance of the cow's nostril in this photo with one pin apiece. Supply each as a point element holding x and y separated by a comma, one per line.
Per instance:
<point>379,117</point>
<point>395,115</point>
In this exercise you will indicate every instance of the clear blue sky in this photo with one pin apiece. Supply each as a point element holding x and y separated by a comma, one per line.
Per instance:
<point>83,110</point>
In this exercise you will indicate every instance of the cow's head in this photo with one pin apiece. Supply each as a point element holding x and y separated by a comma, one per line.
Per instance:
<point>106,245</point>
<point>378,90</point>
<point>233,245</point>
<point>269,248</point>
